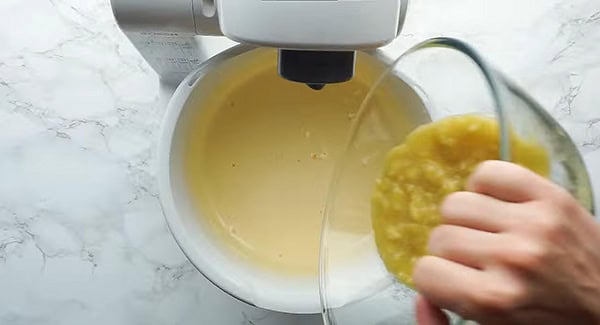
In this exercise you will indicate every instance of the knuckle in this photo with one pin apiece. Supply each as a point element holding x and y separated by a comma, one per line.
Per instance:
<point>543,221</point>
<point>467,309</point>
<point>498,298</point>
<point>481,302</point>
<point>534,257</point>
<point>527,256</point>
<point>564,202</point>
<point>548,226</point>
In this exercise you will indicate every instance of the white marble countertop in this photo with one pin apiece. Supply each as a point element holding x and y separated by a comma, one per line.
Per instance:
<point>82,236</point>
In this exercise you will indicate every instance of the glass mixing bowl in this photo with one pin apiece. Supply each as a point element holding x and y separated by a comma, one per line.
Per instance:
<point>451,79</point>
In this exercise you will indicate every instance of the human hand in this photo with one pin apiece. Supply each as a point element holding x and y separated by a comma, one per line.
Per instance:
<point>515,249</point>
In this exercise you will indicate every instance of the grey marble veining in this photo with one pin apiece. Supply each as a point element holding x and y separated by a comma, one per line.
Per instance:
<point>82,236</point>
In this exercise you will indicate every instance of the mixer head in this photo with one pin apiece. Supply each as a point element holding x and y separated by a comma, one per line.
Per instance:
<point>317,38</point>
<point>316,68</point>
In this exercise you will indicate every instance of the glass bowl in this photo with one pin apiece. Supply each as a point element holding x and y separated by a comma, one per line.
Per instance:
<point>451,78</point>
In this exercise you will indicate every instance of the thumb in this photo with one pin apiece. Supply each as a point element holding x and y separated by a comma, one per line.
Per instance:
<point>428,314</point>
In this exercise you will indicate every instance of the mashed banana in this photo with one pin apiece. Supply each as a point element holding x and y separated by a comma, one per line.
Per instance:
<point>435,160</point>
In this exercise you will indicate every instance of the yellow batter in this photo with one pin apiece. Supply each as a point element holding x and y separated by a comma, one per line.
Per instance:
<point>435,160</point>
<point>259,155</point>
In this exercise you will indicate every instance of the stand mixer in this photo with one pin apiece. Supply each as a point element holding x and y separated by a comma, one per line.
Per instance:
<point>316,40</point>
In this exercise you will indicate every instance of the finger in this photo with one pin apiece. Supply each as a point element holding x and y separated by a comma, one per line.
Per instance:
<point>447,284</point>
<point>462,245</point>
<point>478,211</point>
<point>508,182</point>
<point>428,314</point>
